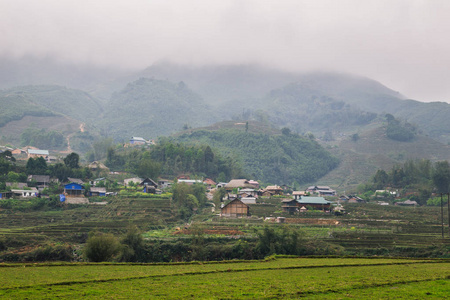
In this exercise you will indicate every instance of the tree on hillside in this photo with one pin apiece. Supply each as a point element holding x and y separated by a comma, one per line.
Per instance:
<point>148,168</point>
<point>36,166</point>
<point>72,160</point>
<point>441,176</point>
<point>185,199</point>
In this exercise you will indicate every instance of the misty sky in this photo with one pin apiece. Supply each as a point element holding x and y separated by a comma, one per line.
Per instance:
<point>403,44</point>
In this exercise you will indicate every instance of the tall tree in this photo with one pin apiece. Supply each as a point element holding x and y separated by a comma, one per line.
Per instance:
<point>72,160</point>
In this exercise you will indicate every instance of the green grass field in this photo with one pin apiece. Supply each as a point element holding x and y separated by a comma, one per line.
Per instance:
<point>278,278</point>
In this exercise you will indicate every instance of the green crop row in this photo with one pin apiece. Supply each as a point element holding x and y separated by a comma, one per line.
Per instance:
<point>278,278</point>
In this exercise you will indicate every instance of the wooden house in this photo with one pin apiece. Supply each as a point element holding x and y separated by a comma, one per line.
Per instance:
<point>238,184</point>
<point>40,181</point>
<point>314,202</point>
<point>274,189</point>
<point>289,205</point>
<point>298,194</point>
<point>96,165</point>
<point>210,184</point>
<point>235,208</point>
<point>148,182</point>
<point>321,190</point>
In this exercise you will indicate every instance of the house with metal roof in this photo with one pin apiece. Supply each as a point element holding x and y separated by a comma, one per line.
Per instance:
<point>314,202</point>
<point>33,153</point>
<point>136,140</point>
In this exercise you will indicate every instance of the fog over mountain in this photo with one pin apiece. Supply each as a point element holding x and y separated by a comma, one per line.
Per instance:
<point>402,44</point>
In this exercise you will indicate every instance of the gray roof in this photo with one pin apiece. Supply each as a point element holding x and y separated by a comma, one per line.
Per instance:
<point>19,185</point>
<point>137,138</point>
<point>75,180</point>
<point>39,178</point>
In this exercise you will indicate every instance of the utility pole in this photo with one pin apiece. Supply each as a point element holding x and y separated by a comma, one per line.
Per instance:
<point>448,211</point>
<point>442,216</point>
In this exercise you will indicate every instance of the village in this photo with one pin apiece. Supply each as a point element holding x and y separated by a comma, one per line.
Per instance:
<point>236,197</point>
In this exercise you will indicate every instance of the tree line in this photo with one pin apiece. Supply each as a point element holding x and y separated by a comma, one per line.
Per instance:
<point>422,175</point>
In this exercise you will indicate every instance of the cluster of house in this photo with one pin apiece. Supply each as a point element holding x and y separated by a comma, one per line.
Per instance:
<point>37,183</point>
<point>34,185</point>
<point>32,152</point>
<point>241,193</point>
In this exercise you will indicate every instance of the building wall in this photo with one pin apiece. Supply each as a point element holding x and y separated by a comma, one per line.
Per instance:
<point>235,209</point>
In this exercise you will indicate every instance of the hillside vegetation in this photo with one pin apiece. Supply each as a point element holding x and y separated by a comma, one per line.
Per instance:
<point>15,106</point>
<point>151,108</point>
<point>281,158</point>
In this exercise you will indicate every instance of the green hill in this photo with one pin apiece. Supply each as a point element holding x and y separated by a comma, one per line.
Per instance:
<point>276,158</point>
<point>15,106</point>
<point>151,108</point>
<point>73,103</point>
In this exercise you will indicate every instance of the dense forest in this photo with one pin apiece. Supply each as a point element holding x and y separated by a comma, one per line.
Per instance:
<point>169,159</point>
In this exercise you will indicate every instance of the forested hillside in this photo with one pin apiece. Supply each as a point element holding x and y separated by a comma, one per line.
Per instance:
<point>14,106</point>
<point>73,103</point>
<point>284,158</point>
<point>151,108</point>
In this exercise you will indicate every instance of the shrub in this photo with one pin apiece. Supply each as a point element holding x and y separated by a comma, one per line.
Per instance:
<point>101,247</point>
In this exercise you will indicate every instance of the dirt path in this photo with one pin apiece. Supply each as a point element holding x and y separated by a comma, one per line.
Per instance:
<point>69,149</point>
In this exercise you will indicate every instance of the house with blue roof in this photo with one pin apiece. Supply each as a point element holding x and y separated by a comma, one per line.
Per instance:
<point>74,189</point>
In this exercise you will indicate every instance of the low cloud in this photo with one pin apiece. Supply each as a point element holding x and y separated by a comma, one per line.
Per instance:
<point>403,44</point>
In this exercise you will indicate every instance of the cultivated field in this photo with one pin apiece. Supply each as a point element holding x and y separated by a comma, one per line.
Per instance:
<point>273,278</point>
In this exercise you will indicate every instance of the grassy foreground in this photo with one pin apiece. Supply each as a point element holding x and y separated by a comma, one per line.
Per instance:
<point>274,278</point>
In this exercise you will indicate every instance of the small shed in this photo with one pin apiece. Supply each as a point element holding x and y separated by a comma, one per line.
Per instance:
<point>97,191</point>
<point>235,208</point>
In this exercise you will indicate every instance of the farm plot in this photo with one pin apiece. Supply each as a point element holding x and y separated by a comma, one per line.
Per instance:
<point>277,278</point>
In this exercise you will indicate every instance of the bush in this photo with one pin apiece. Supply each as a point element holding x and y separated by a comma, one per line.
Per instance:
<point>101,247</point>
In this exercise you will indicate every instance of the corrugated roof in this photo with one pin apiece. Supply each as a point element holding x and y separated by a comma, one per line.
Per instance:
<point>313,200</point>
<point>38,152</point>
